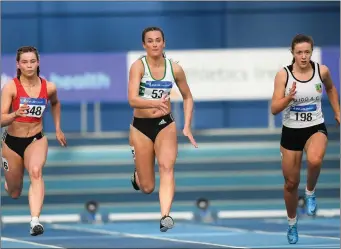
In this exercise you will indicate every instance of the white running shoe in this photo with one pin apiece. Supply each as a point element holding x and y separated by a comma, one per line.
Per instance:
<point>36,229</point>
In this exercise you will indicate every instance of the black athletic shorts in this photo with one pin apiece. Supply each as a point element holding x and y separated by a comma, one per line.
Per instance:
<point>296,138</point>
<point>19,144</point>
<point>152,126</point>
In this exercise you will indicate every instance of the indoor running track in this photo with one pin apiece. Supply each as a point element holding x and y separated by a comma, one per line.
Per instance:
<point>232,233</point>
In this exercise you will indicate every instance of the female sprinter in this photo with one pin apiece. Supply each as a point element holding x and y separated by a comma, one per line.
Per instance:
<point>153,132</point>
<point>24,144</point>
<point>298,93</point>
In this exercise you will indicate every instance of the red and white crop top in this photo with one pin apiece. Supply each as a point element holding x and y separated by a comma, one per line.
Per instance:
<point>36,106</point>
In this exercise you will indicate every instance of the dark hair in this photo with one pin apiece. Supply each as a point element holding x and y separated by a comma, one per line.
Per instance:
<point>300,38</point>
<point>148,29</point>
<point>26,49</point>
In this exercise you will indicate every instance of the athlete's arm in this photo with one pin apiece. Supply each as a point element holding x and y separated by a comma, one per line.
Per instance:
<point>55,104</point>
<point>279,100</point>
<point>185,91</point>
<point>7,94</point>
<point>55,110</point>
<point>330,89</point>
<point>135,101</point>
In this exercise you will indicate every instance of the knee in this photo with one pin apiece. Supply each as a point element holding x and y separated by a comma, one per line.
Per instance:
<point>35,173</point>
<point>314,161</point>
<point>147,188</point>
<point>166,168</point>
<point>291,184</point>
<point>14,193</point>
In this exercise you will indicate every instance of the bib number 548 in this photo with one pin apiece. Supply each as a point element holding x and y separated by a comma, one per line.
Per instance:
<point>34,111</point>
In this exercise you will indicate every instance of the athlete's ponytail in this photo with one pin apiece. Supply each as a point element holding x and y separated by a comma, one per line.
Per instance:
<point>164,56</point>
<point>18,73</point>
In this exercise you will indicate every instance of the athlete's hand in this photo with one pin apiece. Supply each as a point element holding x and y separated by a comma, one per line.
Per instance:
<point>188,133</point>
<point>61,138</point>
<point>292,91</point>
<point>162,104</point>
<point>22,111</point>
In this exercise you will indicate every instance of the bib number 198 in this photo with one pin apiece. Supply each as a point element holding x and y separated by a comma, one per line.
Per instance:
<point>304,116</point>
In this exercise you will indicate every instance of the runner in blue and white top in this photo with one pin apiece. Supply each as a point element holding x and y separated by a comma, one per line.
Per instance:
<point>297,93</point>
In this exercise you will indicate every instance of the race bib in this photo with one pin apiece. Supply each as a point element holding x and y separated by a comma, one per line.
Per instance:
<point>5,164</point>
<point>155,89</point>
<point>36,106</point>
<point>304,113</point>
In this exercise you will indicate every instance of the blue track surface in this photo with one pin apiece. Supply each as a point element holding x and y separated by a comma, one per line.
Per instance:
<point>257,233</point>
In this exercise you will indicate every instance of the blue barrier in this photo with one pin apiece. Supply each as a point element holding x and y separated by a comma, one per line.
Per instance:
<point>223,114</point>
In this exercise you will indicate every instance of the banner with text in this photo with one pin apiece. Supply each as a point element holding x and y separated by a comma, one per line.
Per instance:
<point>229,74</point>
<point>80,77</point>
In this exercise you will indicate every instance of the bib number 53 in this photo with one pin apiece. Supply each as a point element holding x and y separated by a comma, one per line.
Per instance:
<point>157,94</point>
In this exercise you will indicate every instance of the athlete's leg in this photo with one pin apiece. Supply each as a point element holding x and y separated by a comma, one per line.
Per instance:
<point>315,149</point>
<point>14,171</point>
<point>144,160</point>
<point>166,150</point>
<point>134,179</point>
<point>291,166</point>
<point>34,160</point>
